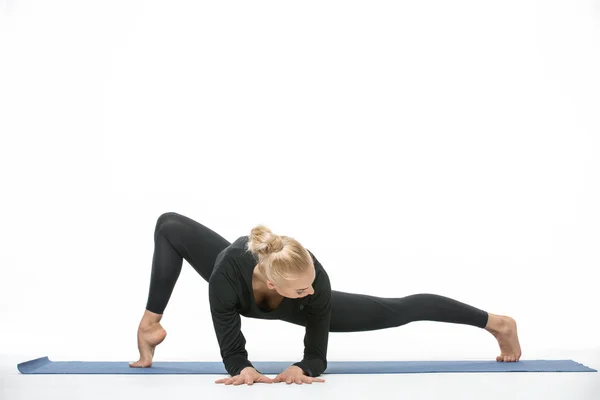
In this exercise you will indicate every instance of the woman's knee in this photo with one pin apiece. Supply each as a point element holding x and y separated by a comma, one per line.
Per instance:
<point>166,221</point>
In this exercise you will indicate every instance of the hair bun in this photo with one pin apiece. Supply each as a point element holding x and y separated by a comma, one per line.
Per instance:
<point>263,241</point>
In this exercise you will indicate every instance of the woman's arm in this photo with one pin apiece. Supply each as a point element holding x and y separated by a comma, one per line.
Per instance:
<point>318,317</point>
<point>227,324</point>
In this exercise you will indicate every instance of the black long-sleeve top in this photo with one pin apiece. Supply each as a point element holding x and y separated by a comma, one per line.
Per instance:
<point>231,295</point>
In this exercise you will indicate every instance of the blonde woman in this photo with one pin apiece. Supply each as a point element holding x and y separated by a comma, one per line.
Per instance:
<point>268,276</point>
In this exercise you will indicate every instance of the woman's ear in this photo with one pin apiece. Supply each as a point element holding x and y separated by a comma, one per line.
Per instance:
<point>270,285</point>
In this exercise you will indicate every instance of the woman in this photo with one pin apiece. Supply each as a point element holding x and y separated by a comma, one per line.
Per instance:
<point>268,276</point>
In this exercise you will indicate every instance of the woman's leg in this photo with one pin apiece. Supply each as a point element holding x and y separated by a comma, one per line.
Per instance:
<point>359,312</point>
<point>176,238</point>
<point>351,312</point>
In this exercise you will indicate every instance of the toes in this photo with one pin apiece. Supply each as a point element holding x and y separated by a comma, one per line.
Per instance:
<point>508,358</point>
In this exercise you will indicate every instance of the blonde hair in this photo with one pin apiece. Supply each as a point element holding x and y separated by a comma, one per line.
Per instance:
<point>279,257</point>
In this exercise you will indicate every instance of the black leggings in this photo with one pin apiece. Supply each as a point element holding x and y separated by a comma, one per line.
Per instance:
<point>177,237</point>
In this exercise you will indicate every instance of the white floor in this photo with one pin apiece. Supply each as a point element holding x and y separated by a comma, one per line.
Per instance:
<point>488,386</point>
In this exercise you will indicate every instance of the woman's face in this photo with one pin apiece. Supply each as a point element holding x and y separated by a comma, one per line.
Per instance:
<point>296,288</point>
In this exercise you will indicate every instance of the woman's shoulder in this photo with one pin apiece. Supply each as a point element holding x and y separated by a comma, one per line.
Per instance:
<point>321,277</point>
<point>232,259</point>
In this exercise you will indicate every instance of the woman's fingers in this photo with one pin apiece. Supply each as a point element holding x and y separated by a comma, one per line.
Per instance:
<point>299,381</point>
<point>233,380</point>
<point>264,379</point>
<point>239,380</point>
<point>242,379</point>
<point>227,381</point>
<point>310,380</point>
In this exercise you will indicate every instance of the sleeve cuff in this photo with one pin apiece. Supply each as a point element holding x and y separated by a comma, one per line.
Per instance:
<point>304,368</point>
<point>236,365</point>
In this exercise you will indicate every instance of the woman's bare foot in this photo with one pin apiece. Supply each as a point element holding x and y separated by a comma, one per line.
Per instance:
<point>504,329</point>
<point>149,336</point>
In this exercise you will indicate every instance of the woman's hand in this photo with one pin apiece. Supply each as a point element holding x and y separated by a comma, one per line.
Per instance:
<point>296,375</point>
<point>248,376</point>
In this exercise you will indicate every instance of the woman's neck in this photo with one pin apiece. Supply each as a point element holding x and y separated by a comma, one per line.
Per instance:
<point>259,281</point>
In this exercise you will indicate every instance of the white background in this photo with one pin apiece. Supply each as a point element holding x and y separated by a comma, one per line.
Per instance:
<point>414,147</point>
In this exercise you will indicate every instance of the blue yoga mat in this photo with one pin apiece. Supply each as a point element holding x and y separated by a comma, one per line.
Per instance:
<point>45,366</point>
